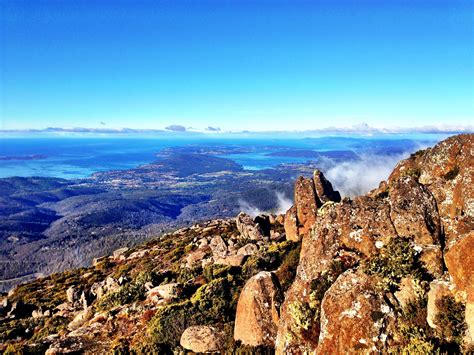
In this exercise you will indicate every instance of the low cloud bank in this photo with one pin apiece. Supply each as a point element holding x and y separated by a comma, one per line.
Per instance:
<point>283,203</point>
<point>358,177</point>
<point>354,178</point>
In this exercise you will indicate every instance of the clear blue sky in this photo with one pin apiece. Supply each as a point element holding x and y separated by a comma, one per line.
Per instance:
<point>239,64</point>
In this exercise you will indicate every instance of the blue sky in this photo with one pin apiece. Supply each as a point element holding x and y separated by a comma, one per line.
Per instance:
<point>237,65</point>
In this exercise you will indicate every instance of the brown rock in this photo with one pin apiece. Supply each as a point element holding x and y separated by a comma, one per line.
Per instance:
<point>247,249</point>
<point>352,317</point>
<point>119,254</point>
<point>438,289</point>
<point>447,170</point>
<point>431,257</point>
<point>231,260</point>
<point>460,262</point>
<point>196,256</point>
<point>257,315</point>
<point>203,339</point>
<point>413,211</point>
<point>408,291</point>
<point>365,224</point>
<point>324,189</point>
<point>73,294</point>
<point>291,225</point>
<point>218,247</point>
<point>248,228</point>
<point>306,204</point>
<point>470,319</point>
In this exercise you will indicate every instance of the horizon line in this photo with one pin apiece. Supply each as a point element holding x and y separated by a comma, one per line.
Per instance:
<point>361,128</point>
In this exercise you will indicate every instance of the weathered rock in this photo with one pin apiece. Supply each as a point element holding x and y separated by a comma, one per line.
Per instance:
<point>408,291</point>
<point>247,249</point>
<point>231,260</point>
<point>40,313</point>
<point>447,171</point>
<point>138,254</point>
<point>98,289</point>
<point>79,319</point>
<point>202,339</point>
<point>166,291</point>
<point>248,228</point>
<point>218,247</point>
<point>365,224</point>
<point>460,262</point>
<point>431,257</point>
<point>352,316</point>
<point>97,261</point>
<point>306,204</point>
<point>291,225</point>
<point>438,290</point>
<point>111,285</point>
<point>70,345</point>
<point>119,254</point>
<point>324,189</point>
<point>469,317</point>
<point>257,316</point>
<point>196,256</point>
<point>277,236</point>
<point>73,294</point>
<point>413,211</point>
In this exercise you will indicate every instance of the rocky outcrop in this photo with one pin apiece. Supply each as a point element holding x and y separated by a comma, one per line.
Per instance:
<point>424,212</point>
<point>310,194</point>
<point>202,339</point>
<point>446,170</point>
<point>258,310</point>
<point>324,189</point>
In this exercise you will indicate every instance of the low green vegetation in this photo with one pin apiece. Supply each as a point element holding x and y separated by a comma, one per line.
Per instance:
<point>394,261</point>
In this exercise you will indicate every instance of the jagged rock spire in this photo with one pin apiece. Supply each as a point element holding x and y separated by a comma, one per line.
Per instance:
<point>310,194</point>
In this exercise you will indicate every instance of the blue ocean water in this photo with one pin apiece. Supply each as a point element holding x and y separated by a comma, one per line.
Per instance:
<point>81,157</point>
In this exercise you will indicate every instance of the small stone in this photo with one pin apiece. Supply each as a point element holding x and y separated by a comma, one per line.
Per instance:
<point>203,339</point>
<point>247,249</point>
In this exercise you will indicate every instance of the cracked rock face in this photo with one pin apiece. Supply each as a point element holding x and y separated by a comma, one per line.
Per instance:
<point>353,314</point>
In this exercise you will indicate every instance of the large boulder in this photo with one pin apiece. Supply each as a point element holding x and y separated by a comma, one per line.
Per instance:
<point>203,339</point>
<point>258,309</point>
<point>218,247</point>
<point>353,314</point>
<point>460,262</point>
<point>248,228</point>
